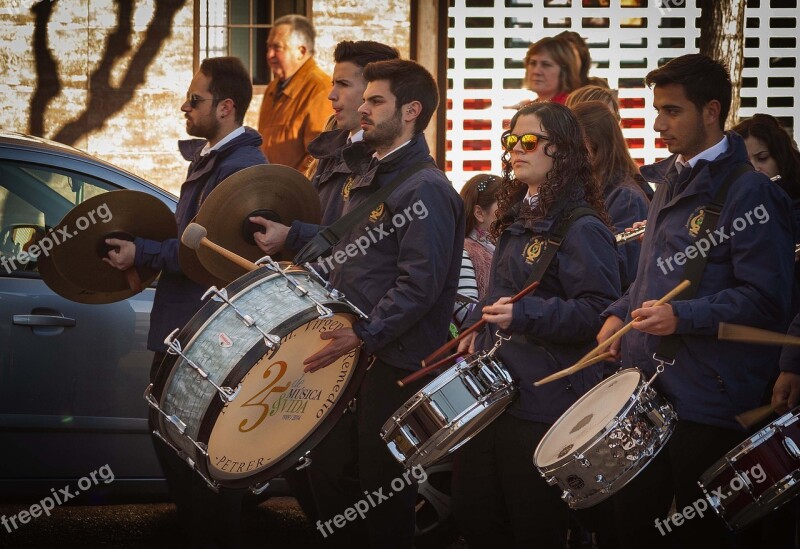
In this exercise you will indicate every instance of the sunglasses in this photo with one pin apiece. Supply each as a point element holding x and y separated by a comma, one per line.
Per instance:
<point>195,99</point>
<point>528,141</point>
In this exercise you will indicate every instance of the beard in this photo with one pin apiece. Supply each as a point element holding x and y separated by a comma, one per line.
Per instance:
<point>383,134</point>
<point>205,129</point>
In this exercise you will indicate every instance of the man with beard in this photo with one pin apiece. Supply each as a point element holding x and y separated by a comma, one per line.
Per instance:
<point>215,105</point>
<point>746,280</point>
<point>405,281</point>
<point>332,178</point>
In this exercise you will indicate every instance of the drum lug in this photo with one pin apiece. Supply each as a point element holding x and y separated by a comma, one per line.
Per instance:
<point>791,447</point>
<point>153,403</point>
<point>551,481</point>
<point>219,295</point>
<point>435,407</point>
<point>213,486</point>
<point>304,461</point>
<point>580,458</point>
<point>174,348</point>
<point>600,479</point>
<point>567,496</point>
<point>258,489</point>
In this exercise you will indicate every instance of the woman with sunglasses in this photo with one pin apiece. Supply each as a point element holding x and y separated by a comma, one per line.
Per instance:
<point>499,497</point>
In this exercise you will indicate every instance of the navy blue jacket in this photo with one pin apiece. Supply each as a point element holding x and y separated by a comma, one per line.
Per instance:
<point>406,278</point>
<point>330,179</point>
<point>177,297</point>
<point>747,280</point>
<point>555,325</point>
<point>627,203</point>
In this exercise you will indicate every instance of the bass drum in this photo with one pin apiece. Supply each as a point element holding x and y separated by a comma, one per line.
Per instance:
<point>231,397</point>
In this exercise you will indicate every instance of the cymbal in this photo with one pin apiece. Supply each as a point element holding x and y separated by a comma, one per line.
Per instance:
<point>63,287</point>
<point>77,261</point>
<point>194,269</point>
<point>272,191</point>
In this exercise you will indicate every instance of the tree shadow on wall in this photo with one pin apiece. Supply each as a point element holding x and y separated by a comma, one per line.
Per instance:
<point>104,100</point>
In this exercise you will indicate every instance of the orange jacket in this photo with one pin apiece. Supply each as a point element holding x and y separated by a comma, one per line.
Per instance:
<point>289,121</point>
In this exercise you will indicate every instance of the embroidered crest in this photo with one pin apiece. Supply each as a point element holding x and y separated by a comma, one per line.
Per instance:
<point>533,250</point>
<point>695,220</point>
<point>377,213</point>
<point>346,188</point>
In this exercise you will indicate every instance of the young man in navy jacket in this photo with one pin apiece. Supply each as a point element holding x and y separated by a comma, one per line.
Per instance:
<point>747,280</point>
<point>405,280</point>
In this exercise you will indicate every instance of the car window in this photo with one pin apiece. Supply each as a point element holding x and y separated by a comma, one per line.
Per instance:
<point>33,199</point>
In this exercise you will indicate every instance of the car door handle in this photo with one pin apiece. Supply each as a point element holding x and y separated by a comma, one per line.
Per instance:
<point>43,320</point>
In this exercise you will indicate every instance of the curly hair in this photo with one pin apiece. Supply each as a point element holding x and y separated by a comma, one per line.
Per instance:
<point>567,185</point>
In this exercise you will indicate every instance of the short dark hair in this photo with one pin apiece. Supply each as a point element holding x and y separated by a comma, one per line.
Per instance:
<point>301,26</point>
<point>363,52</point>
<point>703,80</point>
<point>408,81</point>
<point>229,80</point>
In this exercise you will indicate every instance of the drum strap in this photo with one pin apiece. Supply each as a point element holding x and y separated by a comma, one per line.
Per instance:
<point>331,235</point>
<point>554,241</point>
<point>693,272</point>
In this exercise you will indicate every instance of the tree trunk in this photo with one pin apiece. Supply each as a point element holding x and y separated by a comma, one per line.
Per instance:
<point>722,38</point>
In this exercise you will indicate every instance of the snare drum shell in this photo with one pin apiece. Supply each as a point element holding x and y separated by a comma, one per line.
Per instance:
<point>772,450</point>
<point>449,411</point>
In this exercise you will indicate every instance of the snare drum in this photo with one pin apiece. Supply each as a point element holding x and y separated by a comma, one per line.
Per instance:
<point>231,396</point>
<point>449,410</point>
<point>605,439</point>
<point>757,476</point>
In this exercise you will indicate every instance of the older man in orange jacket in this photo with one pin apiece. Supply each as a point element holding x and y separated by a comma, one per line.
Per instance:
<point>295,106</point>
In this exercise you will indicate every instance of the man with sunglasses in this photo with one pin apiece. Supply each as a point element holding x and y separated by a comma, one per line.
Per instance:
<point>215,105</point>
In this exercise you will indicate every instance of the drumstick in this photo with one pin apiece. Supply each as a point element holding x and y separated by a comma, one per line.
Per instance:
<point>737,332</point>
<point>439,364</point>
<point>582,363</point>
<point>757,415</point>
<point>450,344</point>
<point>478,325</point>
<point>574,368</point>
<point>194,236</point>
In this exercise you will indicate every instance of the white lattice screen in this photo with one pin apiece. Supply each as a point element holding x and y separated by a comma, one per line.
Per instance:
<point>628,38</point>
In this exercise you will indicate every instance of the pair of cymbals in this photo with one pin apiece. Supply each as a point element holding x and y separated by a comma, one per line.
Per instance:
<point>74,267</point>
<point>272,191</point>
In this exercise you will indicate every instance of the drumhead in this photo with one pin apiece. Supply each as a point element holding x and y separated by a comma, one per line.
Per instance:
<point>279,406</point>
<point>587,418</point>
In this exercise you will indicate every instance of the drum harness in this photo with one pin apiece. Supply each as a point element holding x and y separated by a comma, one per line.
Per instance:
<point>693,272</point>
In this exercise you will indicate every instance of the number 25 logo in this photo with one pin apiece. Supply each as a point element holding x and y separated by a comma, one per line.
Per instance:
<point>264,393</point>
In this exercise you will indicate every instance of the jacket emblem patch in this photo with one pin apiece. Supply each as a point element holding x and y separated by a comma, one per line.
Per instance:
<point>377,213</point>
<point>533,250</point>
<point>346,188</point>
<point>695,221</point>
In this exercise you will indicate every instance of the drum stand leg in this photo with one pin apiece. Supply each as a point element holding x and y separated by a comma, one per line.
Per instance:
<point>174,348</point>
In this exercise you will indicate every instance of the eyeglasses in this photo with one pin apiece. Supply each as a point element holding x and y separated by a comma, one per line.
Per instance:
<point>195,99</point>
<point>528,141</point>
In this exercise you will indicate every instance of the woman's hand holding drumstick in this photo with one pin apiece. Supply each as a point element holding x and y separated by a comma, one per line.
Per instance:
<point>585,360</point>
<point>459,341</point>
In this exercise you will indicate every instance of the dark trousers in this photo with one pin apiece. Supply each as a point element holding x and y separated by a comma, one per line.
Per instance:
<point>642,508</point>
<point>353,464</point>
<point>499,497</point>
<point>207,519</point>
